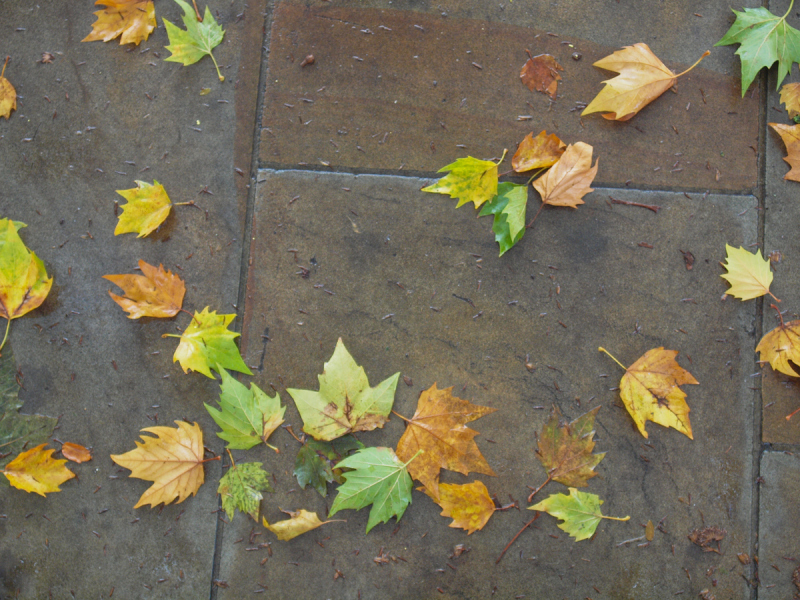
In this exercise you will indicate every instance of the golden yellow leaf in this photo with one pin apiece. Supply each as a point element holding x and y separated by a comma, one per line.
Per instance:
<point>642,78</point>
<point>36,470</point>
<point>134,20</point>
<point>469,505</point>
<point>148,205</point>
<point>780,346</point>
<point>749,274</point>
<point>650,392</point>
<point>540,74</point>
<point>438,428</point>
<point>157,293</point>
<point>537,152</point>
<point>568,180</point>
<point>173,461</point>
<point>8,95</point>
<point>75,452</point>
<point>299,523</point>
<point>790,96</point>
<point>470,180</point>
<point>790,134</point>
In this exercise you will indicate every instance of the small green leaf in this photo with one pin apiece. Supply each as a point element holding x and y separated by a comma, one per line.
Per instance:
<point>470,180</point>
<point>248,417</point>
<point>316,460</point>
<point>378,478</point>
<point>508,208</point>
<point>241,488</point>
<point>198,40</point>
<point>580,512</point>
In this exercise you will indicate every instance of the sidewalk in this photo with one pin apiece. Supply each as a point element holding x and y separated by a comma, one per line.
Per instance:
<point>319,168</point>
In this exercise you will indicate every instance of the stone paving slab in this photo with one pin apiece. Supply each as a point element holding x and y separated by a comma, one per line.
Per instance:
<point>93,121</point>
<point>399,89</point>
<point>779,550</point>
<point>413,285</point>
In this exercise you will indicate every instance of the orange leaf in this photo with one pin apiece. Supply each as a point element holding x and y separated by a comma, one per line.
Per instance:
<point>537,152</point>
<point>540,74</point>
<point>780,346</point>
<point>75,452</point>
<point>569,179</point>
<point>438,428</point>
<point>8,95</point>
<point>790,96</point>
<point>790,134</point>
<point>469,505</point>
<point>134,20</point>
<point>173,461</point>
<point>37,471</point>
<point>157,293</point>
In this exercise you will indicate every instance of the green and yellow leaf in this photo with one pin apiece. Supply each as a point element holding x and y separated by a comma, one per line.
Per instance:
<point>37,471</point>
<point>148,205</point>
<point>580,512</point>
<point>470,180</point>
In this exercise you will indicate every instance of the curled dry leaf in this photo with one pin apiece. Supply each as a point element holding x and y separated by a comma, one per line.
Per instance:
<point>537,152</point>
<point>134,20</point>
<point>299,523</point>
<point>75,452</point>
<point>749,274</point>
<point>469,505</point>
<point>568,180</point>
<point>36,470</point>
<point>157,293</point>
<point>148,205</point>
<point>706,536</point>
<point>540,74</point>
<point>8,95</point>
<point>790,97</point>
<point>790,134</point>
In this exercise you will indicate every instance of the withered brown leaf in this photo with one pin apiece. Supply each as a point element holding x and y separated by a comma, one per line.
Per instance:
<point>706,536</point>
<point>540,74</point>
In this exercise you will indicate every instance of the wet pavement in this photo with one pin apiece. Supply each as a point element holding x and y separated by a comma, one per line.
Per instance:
<point>312,227</point>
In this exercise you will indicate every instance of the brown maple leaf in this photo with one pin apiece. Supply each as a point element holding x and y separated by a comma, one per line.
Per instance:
<point>438,428</point>
<point>157,293</point>
<point>537,152</point>
<point>47,58</point>
<point>540,74</point>
<point>568,181</point>
<point>706,536</point>
<point>469,505</point>
<point>790,134</point>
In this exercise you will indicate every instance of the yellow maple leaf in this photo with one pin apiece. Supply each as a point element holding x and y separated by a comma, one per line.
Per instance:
<point>642,78</point>
<point>790,134</point>
<point>782,345</point>
<point>298,523</point>
<point>36,470</point>
<point>790,96</point>
<point>438,428</point>
<point>148,205</point>
<point>8,95</point>
<point>469,505</point>
<point>568,180</point>
<point>157,293</point>
<point>649,390</point>
<point>749,274</point>
<point>173,461</point>
<point>469,180</point>
<point>134,20</point>
<point>537,152</point>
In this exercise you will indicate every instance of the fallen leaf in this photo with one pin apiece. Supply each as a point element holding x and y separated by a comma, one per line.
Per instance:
<point>8,95</point>
<point>688,259</point>
<point>241,487</point>
<point>540,74</point>
<point>565,449</point>
<point>796,578</point>
<point>316,461</point>
<point>790,134</point>
<point>642,78</point>
<point>537,152</point>
<point>299,523</point>
<point>580,512</point>
<point>37,471</point>
<point>508,208</point>
<point>345,402</point>
<point>438,428</point>
<point>75,452</point>
<point>744,558</point>
<point>377,478</point>
<point>469,505</point>
<point>157,293</point>
<point>764,39</point>
<point>173,461</point>
<point>780,346</point>
<point>649,390</point>
<point>17,431</point>
<point>148,205</point>
<point>706,536</point>
<point>208,344</point>
<point>47,58</point>
<point>134,20</point>
<point>568,180</point>
<point>748,274</point>
<point>790,97</point>
<point>247,417</point>
<point>469,180</point>
<point>705,594</point>
<point>649,531</point>
<point>197,41</point>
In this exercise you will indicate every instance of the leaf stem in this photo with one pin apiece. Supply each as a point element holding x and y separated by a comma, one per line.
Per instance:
<point>4,66</point>
<point>233,463</point>
<point>539,170</point>
<point>546,481</point>
<point>788,11</point>
<point>628,518</point>
<point>401,416</point>
<point>697,62</point>
<point>502,158</point>
<point>770,293</point>
<point>5,337</point>
<point>514,539</point>
<point>271,446</point>
<point>197,12</point>
<point>601,349</point>
<point>420,451</point>
<point>529,225</point>
<point>213,458</point>
<point>222,78</point>
<point>791,414</point>
<point>780,316</point>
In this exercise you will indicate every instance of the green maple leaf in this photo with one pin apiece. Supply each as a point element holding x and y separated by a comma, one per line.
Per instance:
<point>580,512</point>
<point>508,208</point>
<point>248,417</point>
<point>198,40</point>
<point>316,461</point>
<point>241,488</point>
<point>207,343</point>
<point>764,38</point>
<point>378,478</point>
<point>469,180</point>
<point>345,402</point>
<point>17,430</point>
